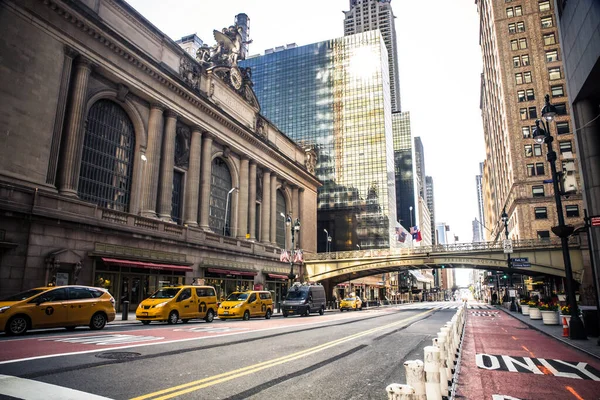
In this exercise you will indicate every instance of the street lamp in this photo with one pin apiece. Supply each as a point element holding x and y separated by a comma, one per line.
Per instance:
<point>513,305</point>
<point>541,134</point>
<point>326,241</point>
<point>295,227</point>
<point>358,245</point>
<point>225,227</point>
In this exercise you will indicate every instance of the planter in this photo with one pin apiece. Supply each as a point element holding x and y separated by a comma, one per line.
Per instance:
<point>550,317</point>
<point>567,317</point>
<point>535,313</point>
<point>562,297</point>
<point>525,309</point>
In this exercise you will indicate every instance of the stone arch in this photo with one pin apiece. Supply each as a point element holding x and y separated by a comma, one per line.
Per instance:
<point>234,170</point>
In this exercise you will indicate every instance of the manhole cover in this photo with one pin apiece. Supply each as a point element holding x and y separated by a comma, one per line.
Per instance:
<point>118,355</point>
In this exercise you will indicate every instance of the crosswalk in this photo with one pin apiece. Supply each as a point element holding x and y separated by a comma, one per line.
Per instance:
<point>445,305</point>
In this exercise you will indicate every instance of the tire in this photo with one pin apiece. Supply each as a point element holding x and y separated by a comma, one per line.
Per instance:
<point>341,310</point>
<point>17,325</point>
<point>146,322</point>
<point>285,315</point>
<point>268,314</point>
<point>210,316</point>
<point>173,318</point>
<point>98,321</point>
<point>246,316</point>
<point>185,321</point>
<point>70,328</point>
<point>307,312</point>
<point>321,311</point>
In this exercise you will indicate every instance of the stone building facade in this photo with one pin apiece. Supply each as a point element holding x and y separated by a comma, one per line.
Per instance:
<point>126,163</point>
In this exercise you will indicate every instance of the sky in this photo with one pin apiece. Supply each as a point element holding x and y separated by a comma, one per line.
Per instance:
<point>440,68</point>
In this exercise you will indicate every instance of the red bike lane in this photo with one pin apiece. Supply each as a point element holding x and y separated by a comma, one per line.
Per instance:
<point>503,358</point>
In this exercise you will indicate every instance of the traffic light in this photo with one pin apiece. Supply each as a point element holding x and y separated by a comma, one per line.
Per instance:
<point>443,266</point>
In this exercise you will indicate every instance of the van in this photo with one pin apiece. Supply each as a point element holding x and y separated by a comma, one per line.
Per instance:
<point>302,299</point>
<point>173,303</point>
<point>252,303</point>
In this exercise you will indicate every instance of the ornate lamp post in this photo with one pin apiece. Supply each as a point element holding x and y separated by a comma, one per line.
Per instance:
<point>294,227</point>
<point>513,306</point>
<point>541,134</point>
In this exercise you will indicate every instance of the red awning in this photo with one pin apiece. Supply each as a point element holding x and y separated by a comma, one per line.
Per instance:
<point>142,264</point>
<point>276,276</point>
<point>231,272</point>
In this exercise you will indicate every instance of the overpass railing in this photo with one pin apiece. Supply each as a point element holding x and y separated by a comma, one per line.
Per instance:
<point>439,249</point>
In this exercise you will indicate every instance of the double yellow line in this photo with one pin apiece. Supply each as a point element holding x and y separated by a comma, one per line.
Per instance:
<point>227,376</point>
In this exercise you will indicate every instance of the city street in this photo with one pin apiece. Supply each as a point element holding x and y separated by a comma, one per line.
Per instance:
<point>337,356</point>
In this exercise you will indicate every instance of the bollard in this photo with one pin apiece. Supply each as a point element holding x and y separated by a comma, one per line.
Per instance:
<point>125,310</point>
<point>565,325</point>
<point>397,391</point>
<point>415,377</point>
<point>440,343</point>
<point>432,373</point>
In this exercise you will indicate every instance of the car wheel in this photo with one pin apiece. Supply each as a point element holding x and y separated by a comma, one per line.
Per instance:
<point>268,314</point>
<point>210,316</point>
<point>285,315</point>
<point>246,316</point>
<point>341,310</point>
<point>185,321</point>
<point>307,312</point>
<point>146,322</point>
<point>321,311</point>
<point>173,318</point>
<point>70,328</point>
<point>98,321</point>
<point>17,325</point>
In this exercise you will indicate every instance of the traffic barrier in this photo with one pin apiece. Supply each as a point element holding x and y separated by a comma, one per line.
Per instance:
<point>565,327</point>
<point>415,377</point>
<point>432,373</point>
<point>397,391</point>
<point>440,343</point>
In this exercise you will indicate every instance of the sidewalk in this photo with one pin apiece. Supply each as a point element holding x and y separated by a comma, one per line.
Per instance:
<point>507,354</point>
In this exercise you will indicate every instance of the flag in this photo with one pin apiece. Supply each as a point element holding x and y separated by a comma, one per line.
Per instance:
<point>402,237</point>
<point>285,256</point>
<point>299,256</point>
<point>416,234</point>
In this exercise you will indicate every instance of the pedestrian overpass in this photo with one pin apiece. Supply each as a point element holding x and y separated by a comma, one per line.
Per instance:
<point>544,257</point>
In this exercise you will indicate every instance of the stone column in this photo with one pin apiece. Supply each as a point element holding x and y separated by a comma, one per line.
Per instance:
<point>166,167</point>
<point>243,203</point>
<point>273,228</point>
<point>193,179</point>
<point>152,167</point>
<point>301,216</point>
<point>265,224</point>
<point>205,173</point>
<point>75,132</point>
<point>252,202</point>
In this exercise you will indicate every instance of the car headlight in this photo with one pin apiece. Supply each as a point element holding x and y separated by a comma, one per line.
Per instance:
<point>159,305</point>
<point>4,309</point>
<point>237,305</point>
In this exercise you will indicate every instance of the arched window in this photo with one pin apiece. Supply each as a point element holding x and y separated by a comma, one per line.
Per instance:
<point>220,200</point>
<point>107,158</point>
<point>280,225</point>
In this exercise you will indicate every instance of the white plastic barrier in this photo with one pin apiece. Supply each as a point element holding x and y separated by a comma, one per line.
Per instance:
<point>432,373</point>
<point>397,391</point>
<point>415,377</point>
<point>440,343</point>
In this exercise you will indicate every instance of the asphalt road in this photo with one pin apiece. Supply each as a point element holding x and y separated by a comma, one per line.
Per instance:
<point>350,355</point>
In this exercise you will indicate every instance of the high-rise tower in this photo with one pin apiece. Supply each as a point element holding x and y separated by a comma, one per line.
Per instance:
<point>368,15</point>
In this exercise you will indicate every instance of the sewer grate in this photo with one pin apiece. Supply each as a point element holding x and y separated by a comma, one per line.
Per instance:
<point>118,355</point>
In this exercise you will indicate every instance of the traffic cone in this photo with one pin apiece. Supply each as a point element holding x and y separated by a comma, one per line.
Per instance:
<point>565,327</point>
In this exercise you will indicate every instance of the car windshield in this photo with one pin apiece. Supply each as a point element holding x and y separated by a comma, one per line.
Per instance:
<point>237,296</point>
<point>350,299</point>
<point>165,293</point>
<point>296,295</point>
<point>23,295</point>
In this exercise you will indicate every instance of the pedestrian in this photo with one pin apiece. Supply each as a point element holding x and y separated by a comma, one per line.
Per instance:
<point>494,298</point>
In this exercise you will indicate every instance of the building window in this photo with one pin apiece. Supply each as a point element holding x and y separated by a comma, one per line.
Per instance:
<point>509,12</point>
<point>532,113</point>
<point>514,44</point>
<point>562,128</point>
<point>557,91</point>
<point>552,55</point>
<point>107,157</point>
<point>537,150</point>
<point>565,147</point>
<point>530,170</point>
<point>528,150</point>
<point>530,95</point>
<point>521,95</point>
<point>177,197</point>
<point>539,168</point>
<point>518,11</point>
<point>527,77</point>
<point>516,61</point>
<point>572,211</point>
<point>541,213</point>
<point>537,191</point>
<point>220,208</point>
<point>512,28</point>
<point>547,22</point>
<point>521,26</point>
<point>523,113</point>
<point>519,78</point>
<point>554,73</point>
<point>561,109</point>
<point>549,39</point>
<point>280,226</point>
<point>522,43</point>
<point>568,165</point>
<point>525,60</point>
<point>526,132</point>
<point>543,235</point>
<point>544,5</point>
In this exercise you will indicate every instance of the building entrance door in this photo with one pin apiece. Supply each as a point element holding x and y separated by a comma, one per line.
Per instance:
<point>131,291</point>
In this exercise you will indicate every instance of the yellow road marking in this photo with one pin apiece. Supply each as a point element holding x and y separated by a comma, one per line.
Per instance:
<point>574,393</point>
<point>226,376</point>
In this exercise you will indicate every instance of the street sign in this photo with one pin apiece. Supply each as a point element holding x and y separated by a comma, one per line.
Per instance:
<point>521,264</point>
<point>595,221</point>
<point>508,247</point>
<point>522,259</point>
<point>548,180</point>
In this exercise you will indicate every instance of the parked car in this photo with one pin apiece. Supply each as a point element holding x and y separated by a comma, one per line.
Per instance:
<point>51,307</point>
<point>173,303</point>
<point>351,303</point>
<point>304,299</point>
<point>253,303</point>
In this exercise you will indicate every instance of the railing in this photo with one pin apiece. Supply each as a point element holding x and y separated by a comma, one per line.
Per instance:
<point>439,249</point>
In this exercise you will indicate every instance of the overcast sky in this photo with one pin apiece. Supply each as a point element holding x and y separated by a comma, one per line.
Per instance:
<point>440,67</point>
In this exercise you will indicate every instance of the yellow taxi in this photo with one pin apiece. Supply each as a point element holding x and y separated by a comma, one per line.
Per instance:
<point>60,306</point>
<point>253,303</point>
<point>351,303</point>
<point>178,302</point>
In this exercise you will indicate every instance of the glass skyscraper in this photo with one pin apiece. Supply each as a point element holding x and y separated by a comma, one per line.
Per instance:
<point>405,178</point>
<point>334,96</point>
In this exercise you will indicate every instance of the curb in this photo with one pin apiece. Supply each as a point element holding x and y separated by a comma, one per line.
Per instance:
<point>569,343</point>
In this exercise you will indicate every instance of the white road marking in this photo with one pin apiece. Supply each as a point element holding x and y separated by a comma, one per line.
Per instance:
<point>104,340</point>
<point>28,389</point>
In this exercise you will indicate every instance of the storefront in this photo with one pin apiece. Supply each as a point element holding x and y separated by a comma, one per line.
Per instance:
<point>227,281</point>
<point>277,284</point>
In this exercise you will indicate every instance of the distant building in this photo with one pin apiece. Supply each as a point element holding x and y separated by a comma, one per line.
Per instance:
<point>478,224</point>
<point>190,43</point>
<point>477,231</point>
<point>430,206</point>
<point>403,164</point>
